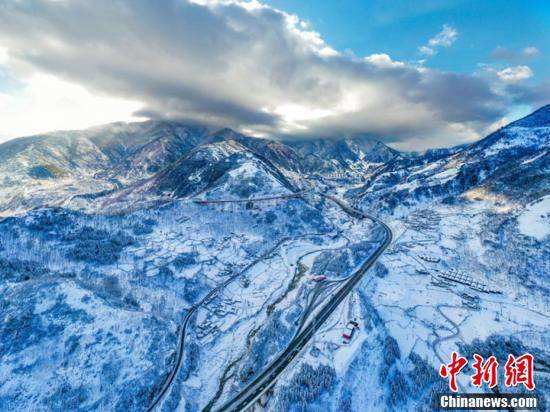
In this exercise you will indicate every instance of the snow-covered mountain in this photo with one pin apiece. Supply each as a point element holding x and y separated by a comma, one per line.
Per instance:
<point>122,244</point>
<point>49,169</point>
<point>345,150</point>
<point>224,169</point>
<point>138,150</point>
<point>513,161</point>
<point>120,149</point>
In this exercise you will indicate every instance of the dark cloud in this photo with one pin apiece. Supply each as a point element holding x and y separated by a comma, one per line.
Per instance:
<point>535,96</point>
<point>448,93</point>
<point>241,66</point>
<point>514,56</point>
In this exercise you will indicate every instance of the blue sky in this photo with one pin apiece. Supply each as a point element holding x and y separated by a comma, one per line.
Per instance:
<point>399,28</point>
<point>412,74</point>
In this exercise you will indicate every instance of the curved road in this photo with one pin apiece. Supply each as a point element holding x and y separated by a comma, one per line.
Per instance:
<point>262,383</point>
<point>181,338</point>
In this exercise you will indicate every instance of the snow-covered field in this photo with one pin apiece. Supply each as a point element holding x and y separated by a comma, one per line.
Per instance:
<point>106,249</point>
<point>535,219</point>
<point>115,277</point>
<point>412,318</point>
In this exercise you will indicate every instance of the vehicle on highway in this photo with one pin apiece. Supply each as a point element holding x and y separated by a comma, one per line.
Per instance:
<point>349,331</point>
<point>255,389</point>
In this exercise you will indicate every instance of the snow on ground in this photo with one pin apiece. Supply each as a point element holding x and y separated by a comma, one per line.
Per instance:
<point>63,347</point>
<point>445,175</point>
<point>159,263</point>
<point>532,159</point>
<point>427,315</point>
<point>171,257</point>
<point>417,304</point>
<point>534,221</point>
<point>233,345</point>
<point>521,136</point>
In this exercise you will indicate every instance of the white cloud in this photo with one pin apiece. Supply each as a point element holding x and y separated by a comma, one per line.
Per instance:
<point>3,55</point>
<point>46,103</point>
<point>427,51</point>
<point>515,74</point>
<point>530,51</point>
<point>444,38</point>
<point>235,64</point>
<point>383,60</point>
<point>515,56</point>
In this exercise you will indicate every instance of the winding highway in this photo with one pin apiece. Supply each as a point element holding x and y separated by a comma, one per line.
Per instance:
<point>265,380</point>
<point>183,329</point>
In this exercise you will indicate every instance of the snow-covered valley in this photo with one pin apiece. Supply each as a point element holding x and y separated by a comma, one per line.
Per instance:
<point>127,247</point>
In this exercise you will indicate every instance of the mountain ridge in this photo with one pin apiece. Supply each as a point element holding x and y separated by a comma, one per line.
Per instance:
<point>153,254</point>
<point>151,145</point>
<point>498,154</point>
